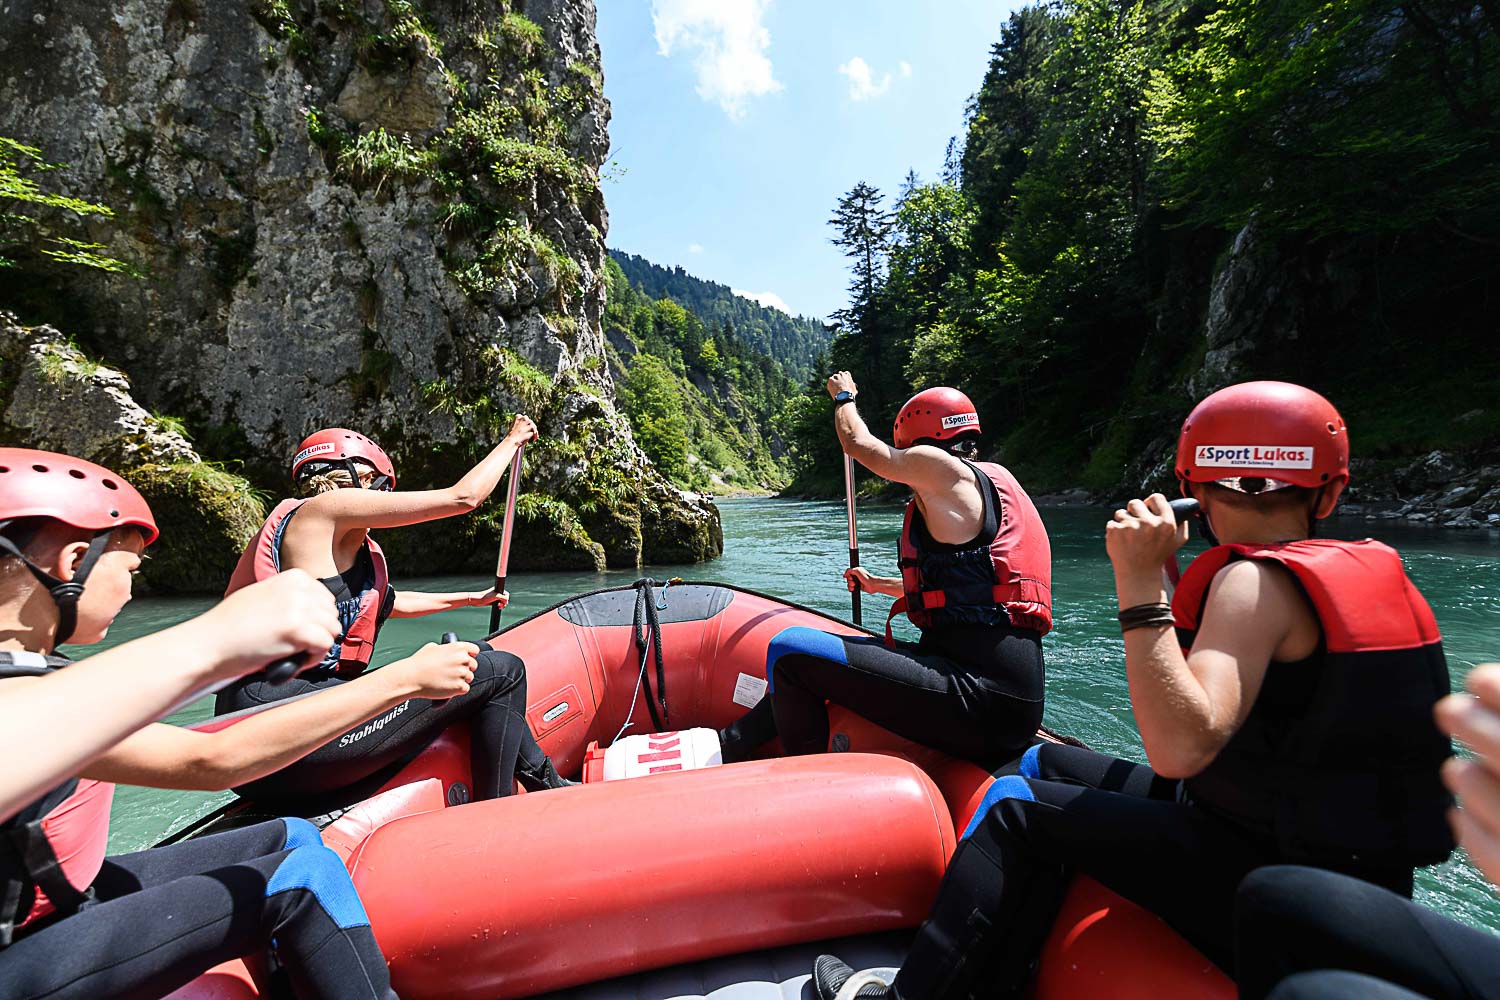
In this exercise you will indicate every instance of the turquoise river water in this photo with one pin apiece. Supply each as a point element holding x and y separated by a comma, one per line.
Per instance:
<point>797,550</point>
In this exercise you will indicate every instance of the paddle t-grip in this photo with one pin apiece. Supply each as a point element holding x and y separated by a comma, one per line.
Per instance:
<point>284,670</point>
<point>447,638</point>
<point>1184,507</point>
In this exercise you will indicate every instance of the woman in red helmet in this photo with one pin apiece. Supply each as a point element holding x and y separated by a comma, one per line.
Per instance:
<point>346,487</point>
<point>1284,695</point>
<point>976,571</point>
<point>75,923</point>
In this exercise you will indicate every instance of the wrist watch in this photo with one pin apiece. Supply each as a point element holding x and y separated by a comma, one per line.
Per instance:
<point>843,397</point>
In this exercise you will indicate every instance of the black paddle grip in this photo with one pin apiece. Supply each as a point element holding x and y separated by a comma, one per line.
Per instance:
<point>284,670</point>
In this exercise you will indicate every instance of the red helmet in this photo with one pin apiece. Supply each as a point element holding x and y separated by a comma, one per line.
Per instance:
<point>340,447</point>
<point>77,493</point>
<point>1277,433</point>
<point>67,489</point>
<point>938,414</point>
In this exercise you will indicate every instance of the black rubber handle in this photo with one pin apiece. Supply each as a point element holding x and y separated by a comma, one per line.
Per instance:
<point>447,638</point>
<point>1184,507</point>
<point>284,670</point>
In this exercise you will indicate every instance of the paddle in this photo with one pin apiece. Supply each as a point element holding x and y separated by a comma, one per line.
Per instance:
<point>853,534</point>
<point>505,533</point>
<point>1182,509</point>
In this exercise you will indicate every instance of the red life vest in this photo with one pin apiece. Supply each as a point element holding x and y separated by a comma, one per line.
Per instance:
<point>1347,773</point>
<point>1003,579</point>
<point>261,560</point>
<point>51,851</point>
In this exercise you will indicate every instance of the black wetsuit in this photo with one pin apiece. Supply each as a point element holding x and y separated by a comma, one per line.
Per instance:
<point>353,765</point>
<point>159,918</point>
<point>1062,809</point>
<point>971,690</point>
<point>1303,933</point>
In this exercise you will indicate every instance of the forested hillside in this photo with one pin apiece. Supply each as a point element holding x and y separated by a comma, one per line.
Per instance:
<point>701,401</point>
<point>1155,199</point>
<point>794,342</point>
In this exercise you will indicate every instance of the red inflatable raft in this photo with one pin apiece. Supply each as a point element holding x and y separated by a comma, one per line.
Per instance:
<point>694,875</point>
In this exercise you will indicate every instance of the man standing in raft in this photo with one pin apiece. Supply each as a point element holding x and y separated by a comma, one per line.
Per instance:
<point>1287,717</point>
<point>347,486</point>
<point>77,924</point>
<point>976,572</point>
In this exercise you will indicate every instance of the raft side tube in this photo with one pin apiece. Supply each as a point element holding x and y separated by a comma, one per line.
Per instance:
<point>572,886</point>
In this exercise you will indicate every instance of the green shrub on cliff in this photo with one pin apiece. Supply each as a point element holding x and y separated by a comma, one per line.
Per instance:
<point>207,516</point>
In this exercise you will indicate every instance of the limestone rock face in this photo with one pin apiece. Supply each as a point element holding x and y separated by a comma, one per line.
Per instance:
<point>56,399</point>
<point>362,213</point>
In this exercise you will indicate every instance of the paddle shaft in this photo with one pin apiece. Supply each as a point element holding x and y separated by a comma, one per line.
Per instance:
<point>853,534</point>
<point>505,532</point>
<point>1182,509</point>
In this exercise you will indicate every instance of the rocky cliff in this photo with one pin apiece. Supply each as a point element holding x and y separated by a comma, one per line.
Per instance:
<point>377,213</point>
<point>1288,308</point>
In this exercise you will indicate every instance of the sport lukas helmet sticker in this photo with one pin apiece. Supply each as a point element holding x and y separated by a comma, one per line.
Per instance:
<point>960,420</point>
<point>1254,456</point>
<point>326,448</point>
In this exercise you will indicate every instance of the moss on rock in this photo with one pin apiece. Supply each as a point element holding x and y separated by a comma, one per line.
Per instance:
<point>206,515</point>
<point>673,532</point>
<point>548,536</point>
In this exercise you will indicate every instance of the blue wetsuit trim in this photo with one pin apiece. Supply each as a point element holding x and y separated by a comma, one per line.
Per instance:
<point>300,833</point>
<point>807,641</point>
<point>322,873</point>
<point>1012,786</point>
<point>1031,762</point>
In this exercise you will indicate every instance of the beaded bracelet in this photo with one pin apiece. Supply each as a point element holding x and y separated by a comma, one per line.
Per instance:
<point>1146,616</point>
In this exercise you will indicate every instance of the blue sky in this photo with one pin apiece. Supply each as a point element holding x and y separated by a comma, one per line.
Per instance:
<point>739,123</point>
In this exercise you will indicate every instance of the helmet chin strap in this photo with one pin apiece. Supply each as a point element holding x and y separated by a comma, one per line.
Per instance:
<point>65,593</point>
<point>380,482</point>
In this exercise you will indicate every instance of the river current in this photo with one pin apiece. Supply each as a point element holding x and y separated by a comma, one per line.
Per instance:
<point>797,550</point>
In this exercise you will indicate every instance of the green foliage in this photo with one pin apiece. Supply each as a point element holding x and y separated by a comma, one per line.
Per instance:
<point>528,385</point>
<point>654,406</point>
<point>794,343</point>
<point>378,156</point>
<point>24,214</point>
<point>701,402</point>
<point>1371,116</point>
<point>1060,270</point>
<point>522,37</point>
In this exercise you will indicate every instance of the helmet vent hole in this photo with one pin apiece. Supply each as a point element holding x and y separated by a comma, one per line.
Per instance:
<point>114,513</point>
<point>40,468</point>
<point>1325,477</point>
<point>4,468</point>
<point>75,474</point>
<point>110,484</point>
<point>1332,429</point>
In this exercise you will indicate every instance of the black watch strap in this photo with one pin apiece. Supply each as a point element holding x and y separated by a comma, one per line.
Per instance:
<point>844,397</point>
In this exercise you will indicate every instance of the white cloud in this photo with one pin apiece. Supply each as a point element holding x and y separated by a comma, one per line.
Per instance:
<point>695,248</point>
<point>862,82</point>
<point>727,41</point>
<point>905,68</point>
<point>770,299</point>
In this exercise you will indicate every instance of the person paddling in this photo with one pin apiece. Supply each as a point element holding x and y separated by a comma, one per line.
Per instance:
<point>976,570</point>
<point>346,485</point>
<point>77,924</point>
<point>1287,717</point>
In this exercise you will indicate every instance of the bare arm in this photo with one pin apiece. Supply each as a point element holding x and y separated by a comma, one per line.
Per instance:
<point>923,468</point>
<point>1187,708</point>
<point>333,513</point>
<point>112,694</point>
<point>416,603</point>
<point>890,586</point>
<point>162,756</point>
